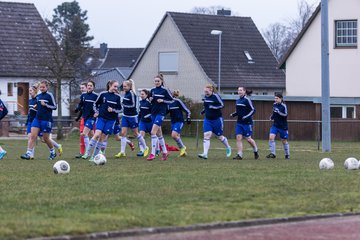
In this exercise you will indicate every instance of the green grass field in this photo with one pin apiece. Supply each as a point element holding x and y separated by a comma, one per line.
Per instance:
<point>132,193</point>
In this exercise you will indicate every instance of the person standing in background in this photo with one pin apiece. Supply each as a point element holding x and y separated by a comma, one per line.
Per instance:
<point>83,89</point>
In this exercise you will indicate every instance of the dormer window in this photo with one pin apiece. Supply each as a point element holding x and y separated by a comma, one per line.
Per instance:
<point>248,56</point>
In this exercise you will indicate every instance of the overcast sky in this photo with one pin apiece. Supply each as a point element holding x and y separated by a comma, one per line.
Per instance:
<point>131,23</point>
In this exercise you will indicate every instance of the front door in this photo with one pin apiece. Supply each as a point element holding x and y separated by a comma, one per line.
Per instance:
<point>23,98</point>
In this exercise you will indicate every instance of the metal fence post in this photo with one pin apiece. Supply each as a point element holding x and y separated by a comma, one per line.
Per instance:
<point>197,134</point>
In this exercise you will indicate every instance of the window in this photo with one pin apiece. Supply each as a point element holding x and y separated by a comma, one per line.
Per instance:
<point>10,89</point>
<point>346,33</point>
<point>249,57</point>
<point>343,112</point>
<point>168,62</point>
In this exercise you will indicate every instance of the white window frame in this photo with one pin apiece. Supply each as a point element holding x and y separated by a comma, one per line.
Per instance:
<point>168,62</point>
<point>346,33</point>
<point>344,110</point>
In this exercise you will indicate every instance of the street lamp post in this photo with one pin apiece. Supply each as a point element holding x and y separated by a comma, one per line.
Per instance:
<point>219,33</point>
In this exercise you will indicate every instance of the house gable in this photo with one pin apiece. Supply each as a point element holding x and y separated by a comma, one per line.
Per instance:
<point>190,77</point>
<point>303,63</point>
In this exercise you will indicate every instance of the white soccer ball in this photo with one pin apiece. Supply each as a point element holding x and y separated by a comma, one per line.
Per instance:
<point>326,163</point>
<point>100,159</point>
<point>351,163</point>
<point>61,167</point>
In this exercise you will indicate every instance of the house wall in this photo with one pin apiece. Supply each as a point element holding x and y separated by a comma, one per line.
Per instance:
<point>303,67</point>
<point>11,101</point>
<point>190,79</point>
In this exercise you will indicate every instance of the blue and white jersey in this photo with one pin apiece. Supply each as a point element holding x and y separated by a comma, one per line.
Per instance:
<point>104,101</point>
<point>129,104</point>
<point>3,110</point>
<point>176,110</point>
<point>44,113</point>
<point>32,110</point>
<point>160,93</point>
<point>279,115</point>
<point>145,110</point>
<point>86,104</point>
<point>244,110</point>
<point>212,106</point>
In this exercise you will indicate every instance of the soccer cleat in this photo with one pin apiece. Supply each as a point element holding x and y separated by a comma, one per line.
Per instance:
<point>140,154</point>
<point>91,159</point>
<point>228,152</point>
<point>151,157</point>
<point>120,155</point>
<point>25,156</point>
<point>164,156</point>
<point>256,155</point>
<point>157,152</point>
<point>237,157</point>
<point>271,155</point>
<point>2,154</point>
<point>52,156</point>
<point>85,156</point>
<point>131,145</point>
<point>183,152</point>
<point>287,157</point>
<point>60,149</point>
<point>203,156</point>
<point>146,151</point>
<point>79,155</point>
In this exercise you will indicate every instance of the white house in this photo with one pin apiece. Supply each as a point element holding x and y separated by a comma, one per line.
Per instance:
<point>303,60</point>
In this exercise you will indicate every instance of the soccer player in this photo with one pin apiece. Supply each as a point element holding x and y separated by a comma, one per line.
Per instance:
<point>86,107</point>
<point>176,109</point>
<point>130,118</point>
<point>213,122</point>
<point>3,113</point>
<point>145,122</point>
<point>83,89</point>
<point>42,122</point>
<point>280,125</point>
<point>244,112</point>
<point>106,107</point>
<point>160,98</point>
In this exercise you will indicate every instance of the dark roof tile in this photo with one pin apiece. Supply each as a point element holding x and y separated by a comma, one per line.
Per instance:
<point>239,34</point>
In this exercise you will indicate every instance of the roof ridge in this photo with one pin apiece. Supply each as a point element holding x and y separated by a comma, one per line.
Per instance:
<point>210,15</point>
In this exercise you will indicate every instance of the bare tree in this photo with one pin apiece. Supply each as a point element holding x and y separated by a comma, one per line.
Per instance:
<point>212,10</point>
<point>280,36</point>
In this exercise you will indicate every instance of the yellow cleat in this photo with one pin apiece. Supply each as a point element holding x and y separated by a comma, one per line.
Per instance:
<point>120,155</point>
<point>60,149</point>
<point>183,152</point>
<point>146,151</point>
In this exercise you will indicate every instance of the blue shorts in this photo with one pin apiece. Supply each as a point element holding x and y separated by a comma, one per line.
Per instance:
<point>129,122</point>
<point>145,126</point>
<point>216,126</point>
<point>44,126</point>
<point>158,119</point>
<point>28,129</point>
<point>105,126</point>
<point>284,134</point>
<point>244,129</point>
<point>177,127</point>
<point>89,123</point>
<point>117,129</point>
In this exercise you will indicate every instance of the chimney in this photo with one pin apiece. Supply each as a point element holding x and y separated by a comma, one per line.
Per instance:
<point>103,50</point>
<point>223,12</point>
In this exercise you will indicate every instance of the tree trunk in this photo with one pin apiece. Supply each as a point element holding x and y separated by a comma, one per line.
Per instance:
<point>60,134</point>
